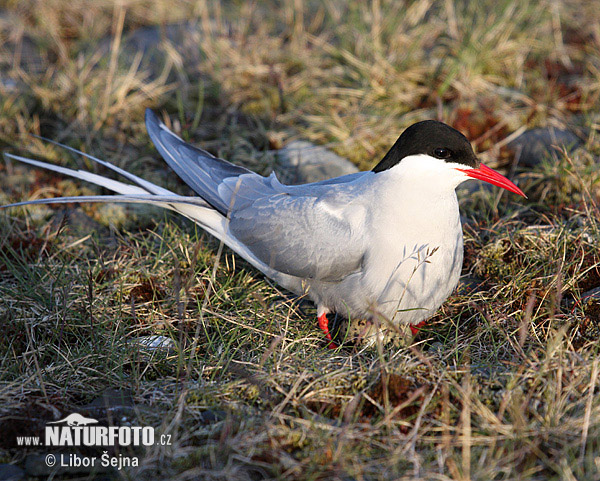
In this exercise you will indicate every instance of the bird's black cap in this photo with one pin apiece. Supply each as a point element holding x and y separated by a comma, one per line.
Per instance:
<point>432,138</point>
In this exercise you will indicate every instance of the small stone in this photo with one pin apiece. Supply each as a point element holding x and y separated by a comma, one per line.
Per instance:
<point>471,284</point>
<point>436,348</point>
<point>532,146</point>
<point>36,465</point>
<point>157,44</point>
<point>113,406</point>
<point>155,342</point>
<point>10,472</point>
<point>301,162</point>
<point>19,50</point>
<point>464,220</point>
<point>212,416</point>
<point>8,84</point>
<point>592,294</point>
<point>472,187</point>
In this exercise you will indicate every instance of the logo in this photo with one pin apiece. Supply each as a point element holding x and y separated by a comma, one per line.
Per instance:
<point>77,430</point>
<point>75,419</point>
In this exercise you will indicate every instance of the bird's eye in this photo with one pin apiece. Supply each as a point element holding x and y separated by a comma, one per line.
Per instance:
<point>441,153</point>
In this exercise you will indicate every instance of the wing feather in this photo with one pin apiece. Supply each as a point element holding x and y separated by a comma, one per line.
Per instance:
<point>302,235</point>
<point>200,170</point>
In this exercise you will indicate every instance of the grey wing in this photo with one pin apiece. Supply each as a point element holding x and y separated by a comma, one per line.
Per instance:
<point>303,236</point>
<point>298,230</point>
<point>199,169</point>
<point>214,179</point>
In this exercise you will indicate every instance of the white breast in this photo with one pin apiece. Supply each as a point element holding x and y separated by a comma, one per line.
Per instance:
<point>414,257</point>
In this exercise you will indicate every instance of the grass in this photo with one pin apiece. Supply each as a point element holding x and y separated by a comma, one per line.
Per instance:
<point>503,382</point>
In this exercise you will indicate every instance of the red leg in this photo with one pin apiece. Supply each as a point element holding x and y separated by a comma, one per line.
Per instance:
<point>416,327</point>
<point>324,326</point>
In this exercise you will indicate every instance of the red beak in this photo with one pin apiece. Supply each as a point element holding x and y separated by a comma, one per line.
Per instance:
<point>493,177</point>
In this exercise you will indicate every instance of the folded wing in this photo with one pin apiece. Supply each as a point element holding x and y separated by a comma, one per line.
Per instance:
<point>312,231</point>
<point>199,169</point>
<point>302,236</point>
<point>308,231</point>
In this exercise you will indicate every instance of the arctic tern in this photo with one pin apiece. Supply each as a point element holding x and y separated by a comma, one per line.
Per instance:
<point>384,245</point>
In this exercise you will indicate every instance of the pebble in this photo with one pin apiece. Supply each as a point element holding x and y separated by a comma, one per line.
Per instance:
<point>212,416</point>
<point>471,284</point>
<point>154,342</point>
<point>10,472</point>
<point>534,145</point>
<point>175,46</point>
<point>114,405</point>
<point>592,294</point>
<point>26,54</point>
<point>301,162</point>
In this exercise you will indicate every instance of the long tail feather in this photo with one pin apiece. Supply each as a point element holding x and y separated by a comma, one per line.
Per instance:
<point>162,200</point>
<point>148,186</point>
<point>111,184</point>
<point>131,193</point>
<point>198,209</point>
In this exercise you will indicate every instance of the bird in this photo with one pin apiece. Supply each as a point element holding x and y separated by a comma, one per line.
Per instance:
<point>384,245</point>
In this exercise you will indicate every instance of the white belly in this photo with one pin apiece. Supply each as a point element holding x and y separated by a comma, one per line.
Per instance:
<point>414,264</point>
<point>412,260</point>
<point>420,281</point>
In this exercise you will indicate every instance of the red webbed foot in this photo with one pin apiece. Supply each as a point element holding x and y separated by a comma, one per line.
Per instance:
<point>415,328</point>
<point>324,326</point>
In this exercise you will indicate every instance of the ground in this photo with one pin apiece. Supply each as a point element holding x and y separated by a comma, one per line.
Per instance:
<point>501,384</point>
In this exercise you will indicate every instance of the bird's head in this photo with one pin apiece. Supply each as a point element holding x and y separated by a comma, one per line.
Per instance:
<point>441,150</point>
